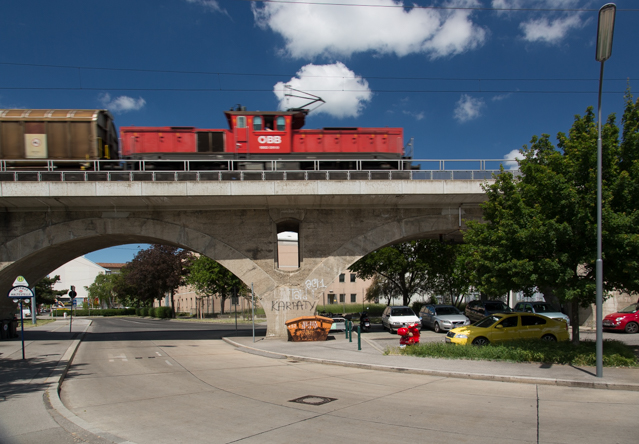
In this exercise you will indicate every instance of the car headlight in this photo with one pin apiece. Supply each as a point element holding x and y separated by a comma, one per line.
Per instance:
<point>619,318</point>
<point>446,322</point>
<point>459,335</point>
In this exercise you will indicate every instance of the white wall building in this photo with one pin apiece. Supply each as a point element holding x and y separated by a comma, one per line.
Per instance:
<point>80,272</point>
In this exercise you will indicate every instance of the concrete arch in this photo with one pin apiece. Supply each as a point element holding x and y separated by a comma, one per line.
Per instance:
<point>381,236</point>
<point>35,254</point>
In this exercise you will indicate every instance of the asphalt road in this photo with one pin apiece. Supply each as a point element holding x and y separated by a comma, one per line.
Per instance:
<point>151,381</point>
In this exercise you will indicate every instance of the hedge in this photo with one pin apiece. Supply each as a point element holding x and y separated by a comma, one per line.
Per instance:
<point>97,312</point>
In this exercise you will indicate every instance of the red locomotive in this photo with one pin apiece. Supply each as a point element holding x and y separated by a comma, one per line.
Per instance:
<point>261,135</point>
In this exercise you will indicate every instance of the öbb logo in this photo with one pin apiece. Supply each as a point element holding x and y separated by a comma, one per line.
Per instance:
<point>269,139</point>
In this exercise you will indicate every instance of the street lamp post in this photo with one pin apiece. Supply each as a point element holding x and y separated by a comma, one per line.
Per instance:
<point>605,31</point>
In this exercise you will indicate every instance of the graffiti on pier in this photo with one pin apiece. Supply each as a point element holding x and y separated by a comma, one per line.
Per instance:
<point>296,298</point>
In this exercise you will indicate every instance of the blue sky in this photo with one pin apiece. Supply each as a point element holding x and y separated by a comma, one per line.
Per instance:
<point>475,80</point>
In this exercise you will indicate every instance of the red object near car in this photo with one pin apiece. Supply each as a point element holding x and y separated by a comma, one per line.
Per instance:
<point>624,320</point>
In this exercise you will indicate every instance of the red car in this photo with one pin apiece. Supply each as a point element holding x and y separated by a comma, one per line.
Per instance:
<point>626,320</point>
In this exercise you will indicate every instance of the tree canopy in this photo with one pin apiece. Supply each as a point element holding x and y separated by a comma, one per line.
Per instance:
<point>540,225</point>
<point>209,278</point>
<point>156,272</point>
<point>44,292</point>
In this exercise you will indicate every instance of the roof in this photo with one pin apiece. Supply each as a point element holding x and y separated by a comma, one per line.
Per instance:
<point>110,265</point>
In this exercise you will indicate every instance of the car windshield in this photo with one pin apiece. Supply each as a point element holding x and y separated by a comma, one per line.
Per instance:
<point>543,308</point>
<point>630,308</point>
<point>497,306</point>
<point>447,311</point>
<point>403,311</point>
<point>487,321</point>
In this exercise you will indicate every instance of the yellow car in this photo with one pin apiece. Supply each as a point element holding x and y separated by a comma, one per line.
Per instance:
<point>502,327</point>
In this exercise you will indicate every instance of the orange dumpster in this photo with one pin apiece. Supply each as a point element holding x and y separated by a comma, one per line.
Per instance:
<point>308,328</point>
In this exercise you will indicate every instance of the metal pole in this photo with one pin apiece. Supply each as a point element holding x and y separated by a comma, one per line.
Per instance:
<point>359,337</point>
<point>22,328</point>
<point>235,300</point>
<point>350,332</point>
<point>599,263</point>
<point>253,309</point>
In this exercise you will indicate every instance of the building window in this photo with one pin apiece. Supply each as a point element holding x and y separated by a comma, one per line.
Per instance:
<point>353,277</point>
<point>341,277</point>
<point>288,251</point>
<point>353,298</point>
<point>342,298</point>
<point>332,299</point>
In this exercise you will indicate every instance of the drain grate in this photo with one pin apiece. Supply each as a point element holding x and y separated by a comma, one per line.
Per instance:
<point>313,400</point>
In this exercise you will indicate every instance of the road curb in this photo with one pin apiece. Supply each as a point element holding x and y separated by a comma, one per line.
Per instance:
<point>447,374</point>
<point>53,393</point>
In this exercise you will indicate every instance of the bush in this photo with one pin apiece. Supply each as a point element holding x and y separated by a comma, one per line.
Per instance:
<point>615,353</point>
<point>417,306</point>
<point>151,312</point>
<point>98,312</point>
<point>163,312</point>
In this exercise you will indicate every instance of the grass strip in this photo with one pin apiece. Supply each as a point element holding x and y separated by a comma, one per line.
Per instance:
<point>615,353</point>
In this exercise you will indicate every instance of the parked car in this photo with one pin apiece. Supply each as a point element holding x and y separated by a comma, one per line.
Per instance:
<point>508,327</point>
<point>442,317</point>
<point>542,308</point>
<point>476,310</point>
<point>395,317</point>
<point>624,320</point>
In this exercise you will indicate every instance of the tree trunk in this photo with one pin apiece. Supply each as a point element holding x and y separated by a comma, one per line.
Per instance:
<point>172,304</point>
<point>574,320</point>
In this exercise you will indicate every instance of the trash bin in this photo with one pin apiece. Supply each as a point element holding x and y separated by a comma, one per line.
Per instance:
<point>4,329</point>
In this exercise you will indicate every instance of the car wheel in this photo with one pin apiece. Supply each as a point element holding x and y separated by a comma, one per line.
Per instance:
<point>436,327</point>
<point>390,330</point>
<point>632,327</point>
<point>481,341</point>
<point>548,338</point>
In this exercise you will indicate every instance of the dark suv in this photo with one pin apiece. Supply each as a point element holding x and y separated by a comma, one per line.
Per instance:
<point>476,310</point>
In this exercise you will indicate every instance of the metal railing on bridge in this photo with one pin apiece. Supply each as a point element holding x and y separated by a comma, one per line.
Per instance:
<point>250,170</point>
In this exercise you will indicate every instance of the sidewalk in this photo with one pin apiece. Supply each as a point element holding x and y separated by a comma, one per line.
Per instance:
<point>28,387</point>
<point>342,352</point>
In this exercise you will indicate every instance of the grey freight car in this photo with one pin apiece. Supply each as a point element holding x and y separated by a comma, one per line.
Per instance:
<point>74,134</point>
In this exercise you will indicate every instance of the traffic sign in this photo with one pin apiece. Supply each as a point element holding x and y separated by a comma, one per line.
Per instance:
<point>20,282</point>
<point>20,292</point>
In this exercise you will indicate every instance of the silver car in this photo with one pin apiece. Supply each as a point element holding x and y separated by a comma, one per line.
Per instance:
<point>442,317</point>
<point>542,308</point>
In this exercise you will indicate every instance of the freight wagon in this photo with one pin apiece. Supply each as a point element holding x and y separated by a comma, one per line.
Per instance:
<point>76,134</point>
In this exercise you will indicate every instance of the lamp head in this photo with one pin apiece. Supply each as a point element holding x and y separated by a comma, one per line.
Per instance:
<point>605,31</point>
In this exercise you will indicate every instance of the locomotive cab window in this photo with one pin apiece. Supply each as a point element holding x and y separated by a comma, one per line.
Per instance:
<point>281,123</point>
<point>269,123</point>
<point>288,251</point>
<point>241,121</point>
<point>257,123</point>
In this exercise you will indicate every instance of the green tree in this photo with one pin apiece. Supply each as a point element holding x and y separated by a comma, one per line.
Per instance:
<point>381,288</point>
<point>45,294</point>
<point>447,271</point>
<point>401,265</point>
<point>156,272</point>
<point>540,230</point>
<point>108,290</point>
<point>210,279</point>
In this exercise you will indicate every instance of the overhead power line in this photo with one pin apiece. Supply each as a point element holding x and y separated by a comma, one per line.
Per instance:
<point>281,75</point>
<point>270,90</point>
<point>413,6</point>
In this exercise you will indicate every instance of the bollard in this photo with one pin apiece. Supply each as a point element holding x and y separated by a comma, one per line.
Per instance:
<point>350,332</point>
<point>346,328</point>
<point>359,338</point>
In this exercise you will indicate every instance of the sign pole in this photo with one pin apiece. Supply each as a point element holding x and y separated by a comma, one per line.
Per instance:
<point>22,328</point>
<point>253,309</point>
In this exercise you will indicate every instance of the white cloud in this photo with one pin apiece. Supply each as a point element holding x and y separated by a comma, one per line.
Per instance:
<point>345,93</point>
<point>312,30</point>
<point>545,26</point>
<point>550,31</point>
<point>512,164</point>
<point>468,108</point>
<point>122,104</point>
<point>213,5</point>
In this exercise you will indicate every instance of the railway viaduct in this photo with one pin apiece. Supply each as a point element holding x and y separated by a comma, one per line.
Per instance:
<point>45,224</point>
